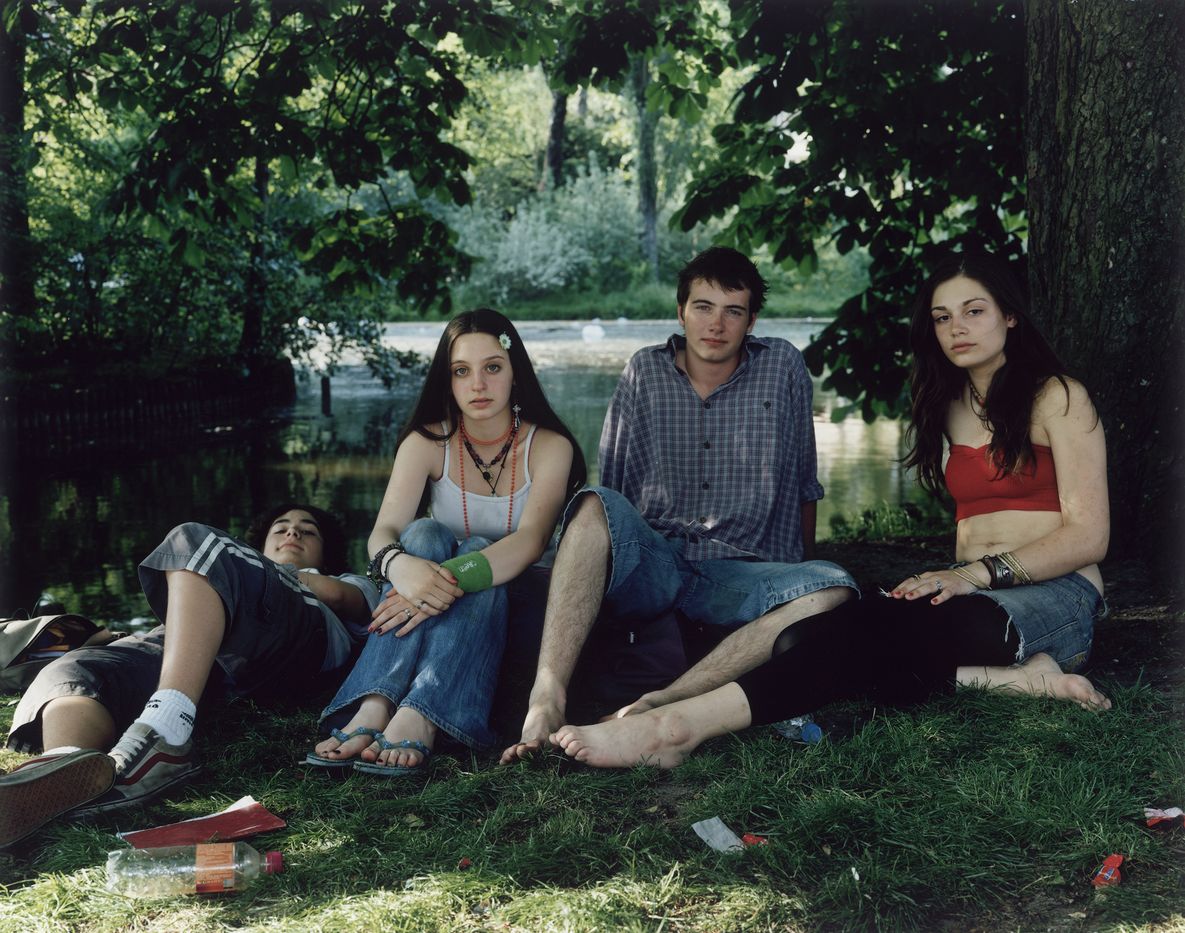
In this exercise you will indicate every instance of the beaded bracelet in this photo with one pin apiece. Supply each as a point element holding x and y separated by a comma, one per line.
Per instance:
<point>376,571</point>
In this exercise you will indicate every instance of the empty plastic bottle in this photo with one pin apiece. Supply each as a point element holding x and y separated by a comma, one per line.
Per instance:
<point>212,868</point>
<point>799,729</point>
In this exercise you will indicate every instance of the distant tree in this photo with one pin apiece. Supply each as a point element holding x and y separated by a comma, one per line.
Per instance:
<point>226,106</point>
<point>664,56</point>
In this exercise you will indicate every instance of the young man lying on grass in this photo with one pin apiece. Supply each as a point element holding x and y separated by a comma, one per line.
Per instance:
<point>238,621</point>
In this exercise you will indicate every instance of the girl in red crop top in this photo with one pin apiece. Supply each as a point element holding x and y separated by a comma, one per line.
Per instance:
<point>1027,470</point>
<point>980,487</point>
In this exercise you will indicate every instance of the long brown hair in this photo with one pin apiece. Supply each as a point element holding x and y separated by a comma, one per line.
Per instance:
<point>935,382</point>
<point>436,402</point>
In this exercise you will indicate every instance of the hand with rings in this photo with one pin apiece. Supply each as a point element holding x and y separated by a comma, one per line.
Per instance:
<point>939,585</point>
<point>395,612</point>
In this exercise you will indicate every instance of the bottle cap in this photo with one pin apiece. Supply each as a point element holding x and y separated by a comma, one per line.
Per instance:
<point>273,863</point>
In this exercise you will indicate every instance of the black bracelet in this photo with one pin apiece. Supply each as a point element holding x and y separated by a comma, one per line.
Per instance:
<point>1002,576</point>
<point>375,570</point>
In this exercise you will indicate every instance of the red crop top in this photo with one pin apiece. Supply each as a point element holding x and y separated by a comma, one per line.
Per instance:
<point>978,489</point>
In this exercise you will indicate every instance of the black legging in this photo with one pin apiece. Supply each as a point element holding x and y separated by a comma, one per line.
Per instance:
<point>891,651</point>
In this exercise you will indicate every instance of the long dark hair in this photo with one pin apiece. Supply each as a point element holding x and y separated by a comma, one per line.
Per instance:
<point>936,382</point>
<point>333,535</point>
<point>436,402</point>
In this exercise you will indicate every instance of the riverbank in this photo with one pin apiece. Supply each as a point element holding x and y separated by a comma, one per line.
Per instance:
<point>57,412</point>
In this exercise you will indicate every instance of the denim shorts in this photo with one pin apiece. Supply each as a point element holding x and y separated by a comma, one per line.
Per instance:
<point>650,576</point>
<point>1055,617</point>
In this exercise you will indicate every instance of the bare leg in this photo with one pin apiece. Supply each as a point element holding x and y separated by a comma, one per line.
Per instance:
<point>407,723</point>
<point>374,712</point>
<point>80,721</point>
<point>195,623</point>
<point>743,650</point>
<point>577,587</point>
<point>1040,676</point>
<point>660,737</point>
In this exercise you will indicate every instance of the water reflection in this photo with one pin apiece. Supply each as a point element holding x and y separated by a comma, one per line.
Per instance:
<point>79,532</point>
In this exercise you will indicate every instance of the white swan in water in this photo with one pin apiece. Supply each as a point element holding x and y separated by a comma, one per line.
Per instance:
<point>592,332</point>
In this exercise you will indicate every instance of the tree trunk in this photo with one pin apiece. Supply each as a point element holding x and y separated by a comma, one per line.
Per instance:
<point>251,340</point>
<point>553,168</point>
<point>647,170</point>
<point>17,275</point>
<point>1105,137</point>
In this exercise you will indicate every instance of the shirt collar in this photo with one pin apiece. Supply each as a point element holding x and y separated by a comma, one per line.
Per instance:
<point>750,348</point>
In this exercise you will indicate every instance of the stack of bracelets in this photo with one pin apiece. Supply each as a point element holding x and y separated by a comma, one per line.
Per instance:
<point>377,570</point>
<point>1004,569</point>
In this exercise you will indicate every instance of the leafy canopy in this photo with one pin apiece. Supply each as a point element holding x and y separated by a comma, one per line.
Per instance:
<point>910,115</point>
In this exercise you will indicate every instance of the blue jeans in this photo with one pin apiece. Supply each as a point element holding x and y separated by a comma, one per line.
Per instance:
<point>1054,616</point>
<point>650,576</point>
<point>446,668</point>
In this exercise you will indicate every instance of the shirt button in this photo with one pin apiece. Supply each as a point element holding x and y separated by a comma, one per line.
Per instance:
<point>707,445</point>
<point>703,519</point>
<point>707,404</point>
<point>705,485</point>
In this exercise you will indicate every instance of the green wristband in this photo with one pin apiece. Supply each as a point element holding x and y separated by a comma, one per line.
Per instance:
<point>472,571</point>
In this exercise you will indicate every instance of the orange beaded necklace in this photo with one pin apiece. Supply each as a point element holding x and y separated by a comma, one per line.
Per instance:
<point>511,437</point>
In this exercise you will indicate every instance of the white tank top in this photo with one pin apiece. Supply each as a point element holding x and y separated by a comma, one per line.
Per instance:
<point>487,514</point>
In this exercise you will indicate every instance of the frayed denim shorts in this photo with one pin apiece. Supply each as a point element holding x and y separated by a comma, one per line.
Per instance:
<point>650,576</point>
<point>1055,617</point>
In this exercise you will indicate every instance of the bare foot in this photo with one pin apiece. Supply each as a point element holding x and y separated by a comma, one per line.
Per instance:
<point>1047,678</point>
<point>661,738</point>
<point>541,720</point>
<point>373,713</point>
<point>1039,675</point>
<point>642,704</point>
<point>408,724</point>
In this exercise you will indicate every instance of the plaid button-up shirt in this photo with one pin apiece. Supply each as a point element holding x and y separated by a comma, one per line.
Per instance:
<point>728,473</point>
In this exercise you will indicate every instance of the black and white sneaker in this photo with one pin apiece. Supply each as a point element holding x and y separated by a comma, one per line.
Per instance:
<point>48,786</point>
<point>145,766</point>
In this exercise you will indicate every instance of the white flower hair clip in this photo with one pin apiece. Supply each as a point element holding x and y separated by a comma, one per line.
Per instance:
<point>504,341</point>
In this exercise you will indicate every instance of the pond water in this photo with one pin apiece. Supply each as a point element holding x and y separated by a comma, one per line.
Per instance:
<point>76,529</point>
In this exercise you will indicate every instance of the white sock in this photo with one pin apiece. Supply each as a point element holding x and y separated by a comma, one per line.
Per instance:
<point>170,713</point>
<point>62,750</point>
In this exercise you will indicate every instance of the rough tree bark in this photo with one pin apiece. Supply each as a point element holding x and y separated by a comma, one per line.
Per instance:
<point>1105,143</point>
<point>17,294</point>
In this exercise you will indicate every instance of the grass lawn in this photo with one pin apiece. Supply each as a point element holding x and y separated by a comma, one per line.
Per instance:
<point>979,811</point>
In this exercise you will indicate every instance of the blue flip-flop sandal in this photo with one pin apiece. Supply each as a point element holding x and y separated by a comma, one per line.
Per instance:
<point>385,744</point>
<point>339,764</point>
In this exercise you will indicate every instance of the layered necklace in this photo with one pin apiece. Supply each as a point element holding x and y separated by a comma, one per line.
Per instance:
<point>977,399</point>
<point>464,443</point>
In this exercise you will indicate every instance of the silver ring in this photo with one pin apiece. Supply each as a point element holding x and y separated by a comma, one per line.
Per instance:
<point>916,576</point>
<point>421,605</point>
<point>937,586</point>
<point>407,614</point>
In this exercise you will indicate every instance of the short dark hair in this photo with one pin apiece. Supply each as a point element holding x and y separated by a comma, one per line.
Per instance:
<point>728,269</point>
<point>333,535</point>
